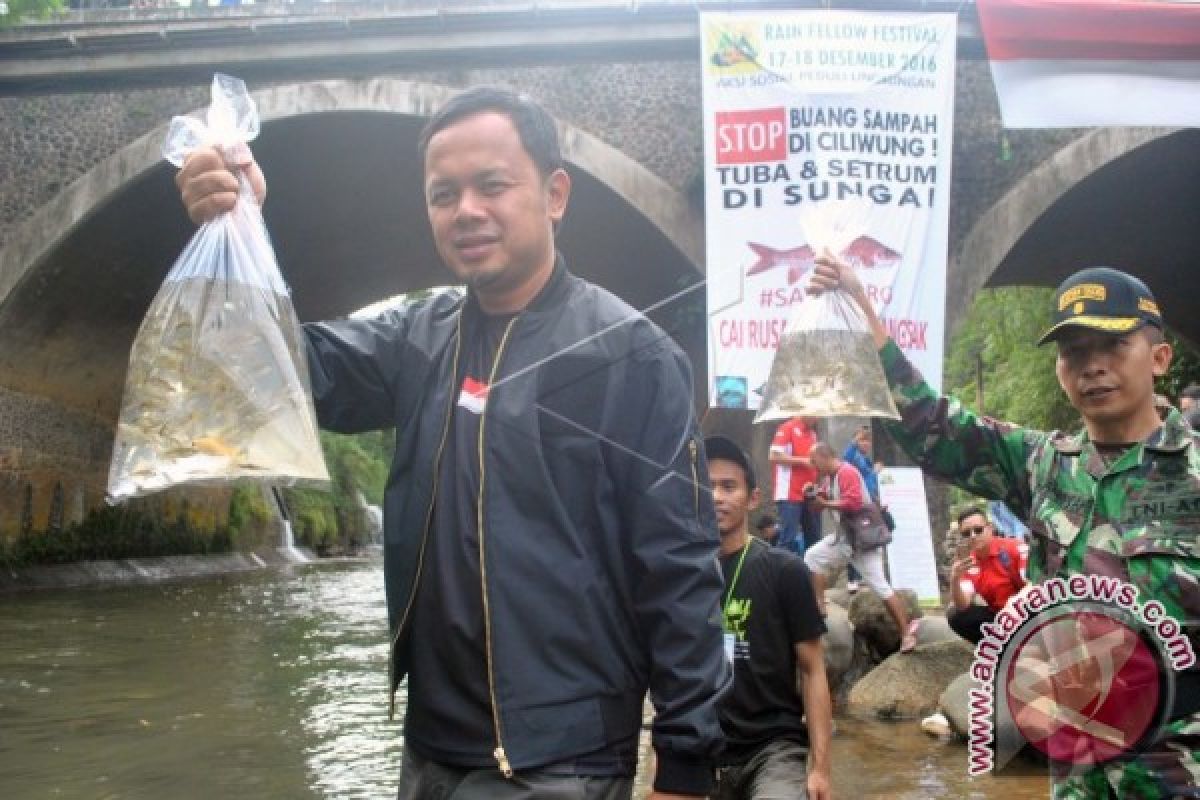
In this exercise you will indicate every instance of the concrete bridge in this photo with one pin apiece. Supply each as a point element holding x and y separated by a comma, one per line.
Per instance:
<point>90,221</point>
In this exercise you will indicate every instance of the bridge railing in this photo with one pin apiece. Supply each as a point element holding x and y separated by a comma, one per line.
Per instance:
<point>100,12</point>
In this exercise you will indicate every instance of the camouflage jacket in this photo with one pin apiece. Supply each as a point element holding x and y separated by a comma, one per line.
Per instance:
<point>1137,519</point>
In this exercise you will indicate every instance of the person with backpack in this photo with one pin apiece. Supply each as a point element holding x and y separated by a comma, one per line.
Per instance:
<point>858,540</point>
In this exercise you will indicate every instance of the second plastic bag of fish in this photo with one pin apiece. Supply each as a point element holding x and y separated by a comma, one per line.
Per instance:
<point>827,365</point>
<point>217,387</point>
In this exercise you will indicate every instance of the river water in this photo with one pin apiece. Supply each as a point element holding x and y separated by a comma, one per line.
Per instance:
<point>272,685</point>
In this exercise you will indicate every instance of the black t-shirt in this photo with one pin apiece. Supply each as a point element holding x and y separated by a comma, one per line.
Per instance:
<point>449,716</point>
<point>770,608</point>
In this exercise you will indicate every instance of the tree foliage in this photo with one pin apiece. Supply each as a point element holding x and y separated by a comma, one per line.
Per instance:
<point>325,521</point>
<point>13,12</point>
<point>997,340</point>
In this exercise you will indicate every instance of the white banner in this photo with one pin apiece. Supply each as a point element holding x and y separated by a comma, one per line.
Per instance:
<point>812,117</point>
<point>911,561</point>
<point>1079,63</point>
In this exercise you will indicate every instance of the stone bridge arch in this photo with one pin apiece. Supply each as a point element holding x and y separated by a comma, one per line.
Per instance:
<point>1122,197</point>
<point>77,276</point>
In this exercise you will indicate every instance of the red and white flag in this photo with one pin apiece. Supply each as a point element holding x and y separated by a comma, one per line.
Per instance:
<point>473,395</point>
<point>1082,63</point>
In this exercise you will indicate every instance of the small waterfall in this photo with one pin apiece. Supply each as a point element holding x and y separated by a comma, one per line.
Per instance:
<point>287,538</point>
<point>373,518</point>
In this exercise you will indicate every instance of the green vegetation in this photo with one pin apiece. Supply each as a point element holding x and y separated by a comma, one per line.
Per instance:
<point>20,10</point>
<point>333,521</point>
<point>112,533</point>
<point>997,339</point>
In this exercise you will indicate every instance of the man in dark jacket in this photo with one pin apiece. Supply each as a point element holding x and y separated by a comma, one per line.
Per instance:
<point>549,543</point>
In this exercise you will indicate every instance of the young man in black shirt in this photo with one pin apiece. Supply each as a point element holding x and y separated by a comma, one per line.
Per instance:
<point>772,635</point>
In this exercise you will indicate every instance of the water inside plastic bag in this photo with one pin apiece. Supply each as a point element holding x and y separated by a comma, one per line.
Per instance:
<point>826,373</point>
<point>210,398</point>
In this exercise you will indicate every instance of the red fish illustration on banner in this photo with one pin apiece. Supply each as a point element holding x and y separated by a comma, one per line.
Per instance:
<point>863,252</point>
<point>797,260</point>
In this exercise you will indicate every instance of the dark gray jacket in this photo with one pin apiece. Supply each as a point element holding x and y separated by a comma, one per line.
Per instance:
<point>593,482</point>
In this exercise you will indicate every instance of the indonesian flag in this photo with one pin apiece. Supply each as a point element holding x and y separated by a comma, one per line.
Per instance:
<point>473,395</point>
<point>1082,63</point>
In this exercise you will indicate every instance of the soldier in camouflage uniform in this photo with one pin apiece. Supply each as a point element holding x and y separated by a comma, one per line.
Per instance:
<point>1120,498</point>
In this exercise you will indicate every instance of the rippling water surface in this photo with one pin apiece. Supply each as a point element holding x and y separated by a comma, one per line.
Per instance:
<point>272,685</point>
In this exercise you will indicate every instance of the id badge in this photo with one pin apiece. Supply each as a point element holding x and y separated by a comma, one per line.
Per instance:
<point>730,642</point>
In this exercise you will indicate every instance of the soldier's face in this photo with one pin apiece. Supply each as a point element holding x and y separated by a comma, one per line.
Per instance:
<point>1110,377</point>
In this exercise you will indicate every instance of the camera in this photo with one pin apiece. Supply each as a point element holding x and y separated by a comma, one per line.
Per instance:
<point>810,492</point>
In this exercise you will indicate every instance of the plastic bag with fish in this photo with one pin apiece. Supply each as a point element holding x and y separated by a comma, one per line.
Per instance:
<point>217,388</point>
<point>827,364</point>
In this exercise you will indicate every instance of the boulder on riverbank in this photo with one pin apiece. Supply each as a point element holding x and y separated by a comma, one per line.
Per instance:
<point>873,624</point>
<point>933,629</point>
<point>908,685</point>
<point>955,704</point>
<point>838,643</point>
<point>839,597</point>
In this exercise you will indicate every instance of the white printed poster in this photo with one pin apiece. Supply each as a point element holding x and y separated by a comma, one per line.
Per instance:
<point>911,560</point>
<point>824,128</point>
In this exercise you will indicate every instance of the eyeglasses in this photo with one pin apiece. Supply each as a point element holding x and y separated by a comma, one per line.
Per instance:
<point>975,531</point>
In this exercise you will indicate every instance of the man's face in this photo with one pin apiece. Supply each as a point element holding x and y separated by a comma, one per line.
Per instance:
<point>1110,377</point>
<point>862,440</point>
<point>977,531</point>
<point>732,498</point>
<point>491,211</point>
<point>825,463</point>
<point>1186,403</point>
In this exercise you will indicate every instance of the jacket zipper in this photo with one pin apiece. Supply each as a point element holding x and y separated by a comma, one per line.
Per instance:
<point>428,522</point>
<point>694,450</point>
<point>499,754</point>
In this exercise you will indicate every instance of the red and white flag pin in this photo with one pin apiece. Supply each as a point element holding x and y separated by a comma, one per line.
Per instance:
<point>473,396</point>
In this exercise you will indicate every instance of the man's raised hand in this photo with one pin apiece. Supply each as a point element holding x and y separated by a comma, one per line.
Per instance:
<point>208,182</point>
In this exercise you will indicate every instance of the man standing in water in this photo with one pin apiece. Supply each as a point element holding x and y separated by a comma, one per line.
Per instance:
<point>773,636</point>
<point>549,547</point>
<point>1121,498</point>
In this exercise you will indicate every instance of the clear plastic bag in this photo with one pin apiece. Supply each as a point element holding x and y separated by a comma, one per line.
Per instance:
<point>217,387</point>
<point>827,364</point>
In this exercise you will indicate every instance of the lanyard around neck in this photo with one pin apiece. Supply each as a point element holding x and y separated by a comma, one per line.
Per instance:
<point>737,572</point>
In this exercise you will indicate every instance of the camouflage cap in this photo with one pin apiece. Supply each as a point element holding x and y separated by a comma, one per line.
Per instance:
<point>1102,299</point>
